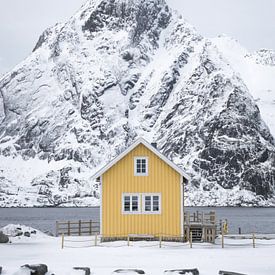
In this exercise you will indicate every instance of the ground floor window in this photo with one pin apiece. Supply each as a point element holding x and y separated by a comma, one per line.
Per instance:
<point>150,202</point>
<point>131,203</point>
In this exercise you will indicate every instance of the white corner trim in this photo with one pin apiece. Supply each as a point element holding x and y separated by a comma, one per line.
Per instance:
<point>100,207</point>
<point>182,206</point>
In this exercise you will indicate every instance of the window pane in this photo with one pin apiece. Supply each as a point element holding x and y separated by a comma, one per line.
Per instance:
<point>155,207</point>
<point>147,203</point>
<point>135,206</point>
<point>126,206</point>
<point>155,203</point>
<point>127,203</point>
<point>135,203</point>
<point>155,198</point>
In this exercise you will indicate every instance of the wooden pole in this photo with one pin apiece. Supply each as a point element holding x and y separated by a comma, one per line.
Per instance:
<point>253,240</point>
<point>79,227</point>
<point>90,227</point>
<point>190,239</point>
<point>56,229</point>
<point>95,239</point>
<point>62,241</point>
<point>222,238</point>
<point>128,240</point>
<point>160,240</point>
<point>69,228</point>
<point>240,231</point>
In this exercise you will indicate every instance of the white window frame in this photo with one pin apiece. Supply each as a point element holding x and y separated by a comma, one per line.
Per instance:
<point>135,166</point>
<point>131,195</point>
<point>143,203</point>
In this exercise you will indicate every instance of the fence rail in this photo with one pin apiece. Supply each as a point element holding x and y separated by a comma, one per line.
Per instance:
<point>77,228</point>
<point>224,241</point>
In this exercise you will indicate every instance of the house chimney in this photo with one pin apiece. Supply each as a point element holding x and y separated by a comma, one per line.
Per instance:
<point>155,145</point>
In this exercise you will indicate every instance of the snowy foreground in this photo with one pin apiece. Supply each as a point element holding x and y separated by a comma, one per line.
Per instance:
<point>238,256</point>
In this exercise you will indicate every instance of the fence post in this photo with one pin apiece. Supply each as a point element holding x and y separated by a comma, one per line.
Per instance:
<point>190,239</point>
<point>253,240</point>
<point>90,225</point>
<point>69,228</point>
<point>240,231</point>
<point>128,240</point>
<point>95,239</point>
<point>56,229</point>
<point>62,241</point>
<point>160,240</point>
<point>79,227</point>
<point>222,238</point>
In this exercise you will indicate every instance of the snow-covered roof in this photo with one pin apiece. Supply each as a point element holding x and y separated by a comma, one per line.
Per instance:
<point>150,147</point>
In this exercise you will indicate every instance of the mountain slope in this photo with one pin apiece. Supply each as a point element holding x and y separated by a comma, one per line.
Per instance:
<point>257,70</point>
<point>119,69</point>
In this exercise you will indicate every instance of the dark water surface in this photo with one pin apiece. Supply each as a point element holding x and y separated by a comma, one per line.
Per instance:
<point>258,220</point>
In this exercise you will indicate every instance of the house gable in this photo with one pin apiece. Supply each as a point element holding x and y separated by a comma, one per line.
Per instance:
<point>150,148</point>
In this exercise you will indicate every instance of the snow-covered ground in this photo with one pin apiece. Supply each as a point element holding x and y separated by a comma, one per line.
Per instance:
<point>238,256</point>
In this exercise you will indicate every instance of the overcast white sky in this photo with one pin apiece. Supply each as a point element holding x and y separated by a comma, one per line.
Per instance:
<point>252,22</point>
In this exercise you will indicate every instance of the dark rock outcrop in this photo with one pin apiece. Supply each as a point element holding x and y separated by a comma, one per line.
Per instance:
<point>86,270</point>
<point>39,269</point>
<point>3,238</point>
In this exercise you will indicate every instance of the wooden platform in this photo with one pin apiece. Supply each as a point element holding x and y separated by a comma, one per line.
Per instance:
<point>201,226</point>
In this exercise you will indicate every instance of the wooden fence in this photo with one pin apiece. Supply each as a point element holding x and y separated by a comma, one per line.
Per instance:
<point>77,228</point>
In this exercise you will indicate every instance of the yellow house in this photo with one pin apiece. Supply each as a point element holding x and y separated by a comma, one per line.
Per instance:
<point>141,194</point>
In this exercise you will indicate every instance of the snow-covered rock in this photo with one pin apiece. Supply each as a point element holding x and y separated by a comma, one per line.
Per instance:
<point>264,57</point>
<point>16,230</point>
<point>120,69</point>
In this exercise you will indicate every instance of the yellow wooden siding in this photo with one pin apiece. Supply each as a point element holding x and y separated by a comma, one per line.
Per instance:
<point>120,179</point>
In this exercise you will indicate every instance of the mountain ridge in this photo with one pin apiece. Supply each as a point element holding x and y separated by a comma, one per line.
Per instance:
<point>118,70</point>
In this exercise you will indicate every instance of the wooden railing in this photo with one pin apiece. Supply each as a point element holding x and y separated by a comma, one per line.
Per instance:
<point>77,228</point>
<point>200,218</point>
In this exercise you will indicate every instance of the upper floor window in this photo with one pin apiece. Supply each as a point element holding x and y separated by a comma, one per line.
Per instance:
<point>141,166</point>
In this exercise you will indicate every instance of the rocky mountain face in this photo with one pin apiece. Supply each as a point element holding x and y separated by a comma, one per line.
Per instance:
<point>264,57</point>
<point>117,70</point>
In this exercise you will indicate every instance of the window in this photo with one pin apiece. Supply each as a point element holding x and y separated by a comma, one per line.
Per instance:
<point>151,203</point>
<point>130,203</point>
<point>141,166</point>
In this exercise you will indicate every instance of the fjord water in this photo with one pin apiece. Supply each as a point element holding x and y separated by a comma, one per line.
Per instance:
<point>257,220</point>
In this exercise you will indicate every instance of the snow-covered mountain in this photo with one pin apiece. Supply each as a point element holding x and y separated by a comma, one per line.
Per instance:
<point>120,69</point>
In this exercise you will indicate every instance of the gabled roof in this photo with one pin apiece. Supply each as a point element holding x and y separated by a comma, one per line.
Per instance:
<point>150,147</point>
